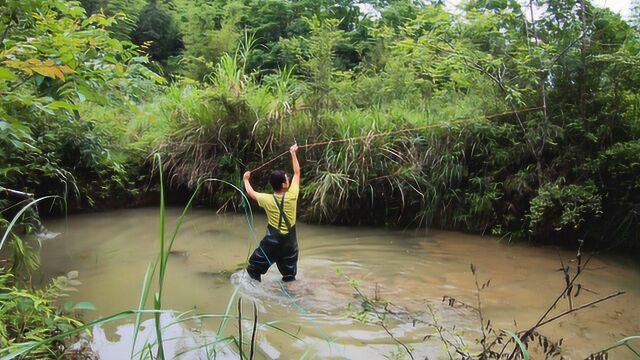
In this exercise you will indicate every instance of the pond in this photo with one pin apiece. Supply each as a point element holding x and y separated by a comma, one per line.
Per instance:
<point>412,270</point>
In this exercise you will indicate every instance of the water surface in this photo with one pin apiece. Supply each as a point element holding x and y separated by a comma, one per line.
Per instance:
<point>412,270</point>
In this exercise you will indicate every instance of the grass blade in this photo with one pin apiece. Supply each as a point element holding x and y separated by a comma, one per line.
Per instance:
<point>523,348</point>
<point>240,328</point>
<point>223,323</point>
<point>146,283</point>
<point>158,298</point>
<point>19,214</point>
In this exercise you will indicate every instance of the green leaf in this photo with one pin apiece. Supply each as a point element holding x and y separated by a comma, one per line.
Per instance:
<point>7,74</point>
<point>115,44</point>
<point>62,105</point>
<point>18,144</point>
<point>110,59</point>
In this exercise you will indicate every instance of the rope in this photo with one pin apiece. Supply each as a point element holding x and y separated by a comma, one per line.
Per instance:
<point>387,133</point>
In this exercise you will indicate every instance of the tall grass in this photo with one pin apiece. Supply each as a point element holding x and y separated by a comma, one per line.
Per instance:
<point>238,122</point>
<point>477,175</point>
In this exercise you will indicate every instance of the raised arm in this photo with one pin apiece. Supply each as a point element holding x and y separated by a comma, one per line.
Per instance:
<point>296,165</point>
<point>247,186</point>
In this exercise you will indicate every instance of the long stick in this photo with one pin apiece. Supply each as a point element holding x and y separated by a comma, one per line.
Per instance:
<point>16,192</point>
<point>387,133</point>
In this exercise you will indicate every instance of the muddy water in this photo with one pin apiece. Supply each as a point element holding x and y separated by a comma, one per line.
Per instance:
<point>413,271</point>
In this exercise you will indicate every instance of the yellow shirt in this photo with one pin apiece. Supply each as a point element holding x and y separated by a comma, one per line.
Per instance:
<point>268,203</point>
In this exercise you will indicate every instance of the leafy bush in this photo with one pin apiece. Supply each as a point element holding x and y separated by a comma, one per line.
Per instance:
<point>617,171</point>
<point>30,315</point>
<point>55,61</point>
<point>558,207</point>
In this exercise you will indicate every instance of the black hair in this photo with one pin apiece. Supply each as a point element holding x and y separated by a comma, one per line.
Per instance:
<point>277,179</point>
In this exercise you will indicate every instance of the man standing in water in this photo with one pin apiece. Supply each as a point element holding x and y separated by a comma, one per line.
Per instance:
<point>279,245</point>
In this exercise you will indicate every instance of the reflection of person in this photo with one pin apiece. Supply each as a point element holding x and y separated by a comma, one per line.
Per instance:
<point>279,245</point>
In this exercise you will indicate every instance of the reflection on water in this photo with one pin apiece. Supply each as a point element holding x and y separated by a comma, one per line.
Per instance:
<point>414,271</point>
<point>178,341</point>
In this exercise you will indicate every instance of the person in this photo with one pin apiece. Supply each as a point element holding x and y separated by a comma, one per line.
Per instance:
<point>280,244</point>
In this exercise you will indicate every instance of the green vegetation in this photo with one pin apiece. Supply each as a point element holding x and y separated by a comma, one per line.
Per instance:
<point>500,122</point>
<point>84,109</point>
<point>29,315</point>
<point>33,327</point>
<point>269,73</point>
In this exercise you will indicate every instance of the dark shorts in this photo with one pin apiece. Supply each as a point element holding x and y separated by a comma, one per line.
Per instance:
<point>275,248</point>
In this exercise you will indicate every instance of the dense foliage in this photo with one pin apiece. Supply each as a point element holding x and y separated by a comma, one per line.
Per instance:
<point>56,66</point>
<point>254,76</point>
<point>502,121</point>
<point>82,107</point>
<point>33,315</point>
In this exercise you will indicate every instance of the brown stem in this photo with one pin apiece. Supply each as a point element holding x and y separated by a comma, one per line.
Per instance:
<point>528,332</point>
<point>442,338</point>
<point>396,340</point>
<point>484,334</point>
<point>542,87</point>
<point>564,51</point>
<point>583,306</point>
<point>557,300</point>
<point>515,111</point>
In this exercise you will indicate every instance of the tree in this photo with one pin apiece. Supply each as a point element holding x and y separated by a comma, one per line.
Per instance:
<point>319,61</point>
<point>635,15</point>
<point>54,60</point>
<point>127,11</point>
<point>157,33</point>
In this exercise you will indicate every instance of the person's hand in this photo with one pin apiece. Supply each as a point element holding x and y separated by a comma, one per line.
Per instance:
<point>293,148</point>
<point>246,175</point>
